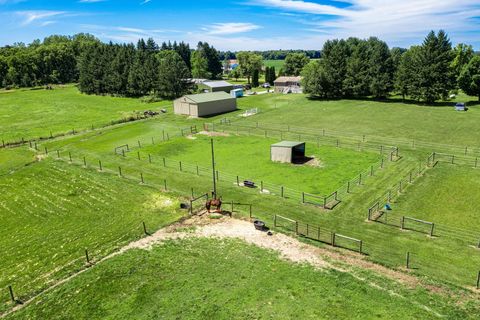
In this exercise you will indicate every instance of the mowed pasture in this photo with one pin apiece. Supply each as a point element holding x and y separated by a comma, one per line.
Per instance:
<point>389,119</point>
<point>452,194</point>
<point>228,279</point>
<point>31,114</point>
<point>51,213</point>
<point>249,158</point>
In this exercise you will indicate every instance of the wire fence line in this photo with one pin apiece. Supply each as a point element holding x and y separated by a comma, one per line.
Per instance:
<point>52,135</point>
<point>387,256</point>
<point>364,138</point>
<point>380,212</point>
<point>327,200</point>
<point>318,139</point>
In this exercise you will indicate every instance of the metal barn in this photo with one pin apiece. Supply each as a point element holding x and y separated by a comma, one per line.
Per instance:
<point>287,151</point>
<point>205,104</point>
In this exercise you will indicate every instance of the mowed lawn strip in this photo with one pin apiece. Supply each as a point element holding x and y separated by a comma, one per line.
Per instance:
<point>227,279</point>
<point>51,212</point>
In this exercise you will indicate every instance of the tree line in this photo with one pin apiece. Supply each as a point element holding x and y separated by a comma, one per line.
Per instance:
<point>355,68</point>
<point>273,54</point>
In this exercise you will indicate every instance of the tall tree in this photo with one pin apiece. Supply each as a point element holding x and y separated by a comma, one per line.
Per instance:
<point>255,78</point>
<point>316,81</point>
<point>213,60</point>
<point>407,71</point>
<point>469,80</point>
<point>381,69</point>
<point>200,65</point>
<point>462,54</point>
<point>335,54</point>
<point>294,63</point>
<point>433,62</point>
<point>173,75</point>
<point>248,62</point>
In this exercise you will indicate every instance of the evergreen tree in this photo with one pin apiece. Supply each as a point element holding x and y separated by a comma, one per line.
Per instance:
<point>462,54</point>
<point>173,74</point>
<point>407,71</point>
<point>381,69</point>
<point>335,54</point>
<point>357,78</point>
<point>469,79</point>
<point>255,79</point>
<point>213,61</point>
<point>433,61</point>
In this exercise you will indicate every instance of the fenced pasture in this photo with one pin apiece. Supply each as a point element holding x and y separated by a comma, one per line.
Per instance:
<point>248,158</point>
<point>389,122</point>
<point>453,200</point>
<point>52,213</point>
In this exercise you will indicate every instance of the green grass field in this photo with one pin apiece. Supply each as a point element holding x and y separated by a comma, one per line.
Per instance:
<point>227,279</point>
<point>391,119</point>
<point>32,114</point>
<point>453,197</point>
<point>249,158</point>
<point>53,210</point>
<point>278,64</point>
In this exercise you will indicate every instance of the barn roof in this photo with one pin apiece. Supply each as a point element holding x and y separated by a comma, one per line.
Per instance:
<point>217,84</point>
<point>288,144</point>
<point>209,96</point>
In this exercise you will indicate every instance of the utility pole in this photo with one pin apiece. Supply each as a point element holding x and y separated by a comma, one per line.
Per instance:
<point>213,172</point>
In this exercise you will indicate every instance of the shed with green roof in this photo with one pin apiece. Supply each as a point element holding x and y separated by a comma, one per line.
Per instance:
<point>288,151</point>
<point>205,104</point>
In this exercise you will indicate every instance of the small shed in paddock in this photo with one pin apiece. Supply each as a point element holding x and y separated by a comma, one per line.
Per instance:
<point>288,152</point>
<point>205,104</point>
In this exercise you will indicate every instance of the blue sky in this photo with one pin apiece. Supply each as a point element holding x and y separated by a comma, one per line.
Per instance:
<point>242,25</point>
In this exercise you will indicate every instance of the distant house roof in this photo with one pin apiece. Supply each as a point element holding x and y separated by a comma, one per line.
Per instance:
<point>207,97</point>
<point>288,144</point>
<point>288,79</point>
<point>217,84</point>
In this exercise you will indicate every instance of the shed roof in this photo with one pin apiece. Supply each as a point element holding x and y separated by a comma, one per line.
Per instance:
<point>287,144</point>
<point>217,84</point>
<point>209,96</point>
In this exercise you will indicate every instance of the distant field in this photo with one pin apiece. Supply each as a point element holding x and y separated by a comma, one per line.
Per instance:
<point>228,279</point>
<point>278,64</point>
<point>51,212</point>
<point>28,113</point>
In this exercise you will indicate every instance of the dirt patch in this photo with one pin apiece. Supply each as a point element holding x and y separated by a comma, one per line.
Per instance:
<point>159,201</point>
<point>314,162</point>
<point>214,134</point>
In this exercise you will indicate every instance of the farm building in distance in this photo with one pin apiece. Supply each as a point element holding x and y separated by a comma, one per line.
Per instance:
<point>216,86</point>
<point>288,85</point>
<point>205,104</point>
<point>287,152</point>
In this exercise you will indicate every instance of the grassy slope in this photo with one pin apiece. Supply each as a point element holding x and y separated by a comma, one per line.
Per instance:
<point>225,279</point>
<point>439,124</point>
<point>278,64</point>
<point>52,213</point>
<point>34,113</point>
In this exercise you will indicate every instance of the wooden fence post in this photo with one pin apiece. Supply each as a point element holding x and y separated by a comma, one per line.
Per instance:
<point>360,179</point>
<point>408,260</point>
<point>478,280</point>
<point>348,186</point>
<point>123,152</point>
<point>84,162</point>
<point>141,177</point>
<point>165,184</point>
<point>46,150</point>
<point>361,247</point>
<point>144,228</point>
<point>261,186</point>
<point>250,211</point>
<point>296,227</point>
<point>163,135</point>
<point>120,171</point>
<point>87,257</point>
<point>238,182</point>
<point>402,223</point>
<point>275,221</point>
<point>232,207</point>
<point>218,176</point>
<point>138,155</point>
<point>100,165</point>
<point>453,158</point>
<point>58,154</point>
<point>432,229</point>
<point>371,171</point>
<point>153,141</point>
<point>149,158</point>
<point>198,173</point>
<point>333,239</point>
<point>180,165</point>
<point>164,162</point>
<point>70,156</point>
<point>303,197</point>
<point>400,186</point>
<point>281,191</point>
<point>139,144</point>
<point>381,164</point>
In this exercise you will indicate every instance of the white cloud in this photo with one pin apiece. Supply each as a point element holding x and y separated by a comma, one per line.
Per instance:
<point>230,28</point>
<point>391,20</point>
<point>145,1</point>
<point>31,16</point>
<point>124,34</point>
